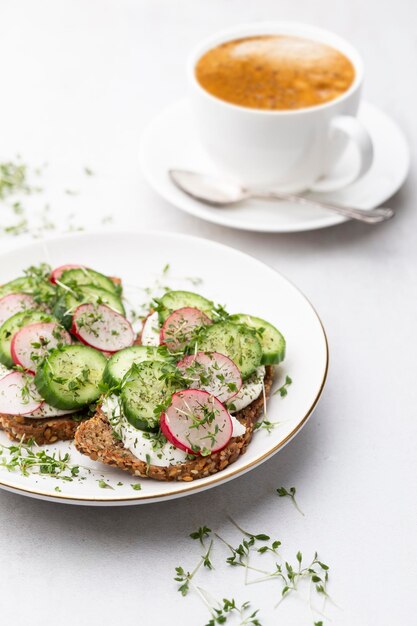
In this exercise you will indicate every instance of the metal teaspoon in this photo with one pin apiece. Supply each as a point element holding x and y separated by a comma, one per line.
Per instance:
<point>223,192</point>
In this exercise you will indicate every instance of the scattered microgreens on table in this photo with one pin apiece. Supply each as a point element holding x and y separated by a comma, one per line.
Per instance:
<point>228,608</point>
<point>249,554</point>
<point>22,204</point>
<point>282,492</point>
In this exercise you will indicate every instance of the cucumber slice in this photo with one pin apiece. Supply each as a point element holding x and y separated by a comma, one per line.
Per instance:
<point>12,325</point>
<point>85,276</point>
<point>236,341</point>
<point>70,377</point>
<point>174,300</point>
<point>119,364</point>
<point>70,300</point>
<point>18,285</point>
<point>43,291</point>
<point>147,386</point>
<point>272,342</point>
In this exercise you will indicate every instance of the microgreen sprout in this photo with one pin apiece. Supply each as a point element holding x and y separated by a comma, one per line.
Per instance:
<point>200,534</point>
<point>185,577</point>
<point>227,608</point>
<point>283,390</point>
<point>102,483</point>
<point>253,547</point>
<point>28,458</point>
<point>283,492</point>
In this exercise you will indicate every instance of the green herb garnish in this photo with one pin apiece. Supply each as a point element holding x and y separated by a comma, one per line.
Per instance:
<point>102,483</point>
<point>28,458</point>
<point>282,492</point>
<point>282,391</point>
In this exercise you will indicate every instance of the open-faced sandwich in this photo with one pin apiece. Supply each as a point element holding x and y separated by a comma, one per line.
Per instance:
<point>184,403</point>
<point>51,357</point>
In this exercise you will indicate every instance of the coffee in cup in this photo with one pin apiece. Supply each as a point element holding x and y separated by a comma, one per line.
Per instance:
<point>276,105</point>
<point>275,72</point>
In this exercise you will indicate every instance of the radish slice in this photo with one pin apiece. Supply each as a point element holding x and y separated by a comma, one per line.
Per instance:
<point>32,343</point>
<point>180,326</point>
<point>4,371</point>
<point>15,303</point>
<point>212,372</point>
<point>197,422</point>
<point>46,410</point>
<point>97,325</point>
<point>18,394</point>
<point>58,271</point>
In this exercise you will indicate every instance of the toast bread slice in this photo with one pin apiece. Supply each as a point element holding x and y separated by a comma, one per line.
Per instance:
<point>95,439</point>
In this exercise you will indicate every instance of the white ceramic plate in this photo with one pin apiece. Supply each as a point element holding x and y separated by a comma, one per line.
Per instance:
<point>171,141</point>
<point>229,277</point>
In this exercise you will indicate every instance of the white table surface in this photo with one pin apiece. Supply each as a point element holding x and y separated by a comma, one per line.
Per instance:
<point>80,80</point>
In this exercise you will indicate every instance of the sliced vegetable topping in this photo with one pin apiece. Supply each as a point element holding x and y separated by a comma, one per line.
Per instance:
<point>236,341</point>
<point>14,286</point>
<point>180,326</point>
<point>197,422</point>
<point>31,344</point>
<point>102,328</point>
<point>86,276</point>
<point>35,283</point>
<point>272,341</point>
<point>15,303</point>
<point>211,372</point>
<point>46,410</point>
<point>10,328</point>
<point>121,362</point>
<point>18,394</point>
<point>147,388</point>
<point>150,333</point>
<point>58,271</point>
<point>174,300</point>
<point>70,377</point>
<point>86,294</point>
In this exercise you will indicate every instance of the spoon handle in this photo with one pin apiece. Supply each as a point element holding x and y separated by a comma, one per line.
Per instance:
<point>371,216</point>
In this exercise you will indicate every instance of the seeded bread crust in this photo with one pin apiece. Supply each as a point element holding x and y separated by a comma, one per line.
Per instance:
<point>42,431</point>
<point>95,439</point>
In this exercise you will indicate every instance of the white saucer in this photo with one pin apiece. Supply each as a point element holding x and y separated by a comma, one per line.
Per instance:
<point>171,141</point>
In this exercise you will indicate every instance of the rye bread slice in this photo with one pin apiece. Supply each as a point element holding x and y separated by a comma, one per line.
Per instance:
<point>42,431</point>
<point>95,439</point>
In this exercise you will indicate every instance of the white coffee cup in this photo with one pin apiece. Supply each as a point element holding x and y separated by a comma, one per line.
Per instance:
<point>291,150</point>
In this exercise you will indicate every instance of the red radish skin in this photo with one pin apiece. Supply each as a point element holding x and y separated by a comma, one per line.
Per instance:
<point>24,347</point>
<point>98,326</point>
<point>15,303</point>
<point>212,372</point>
<point>18,395</point>
<point>180,422</point>
<point>58,271</point>
<point>180,326</point>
